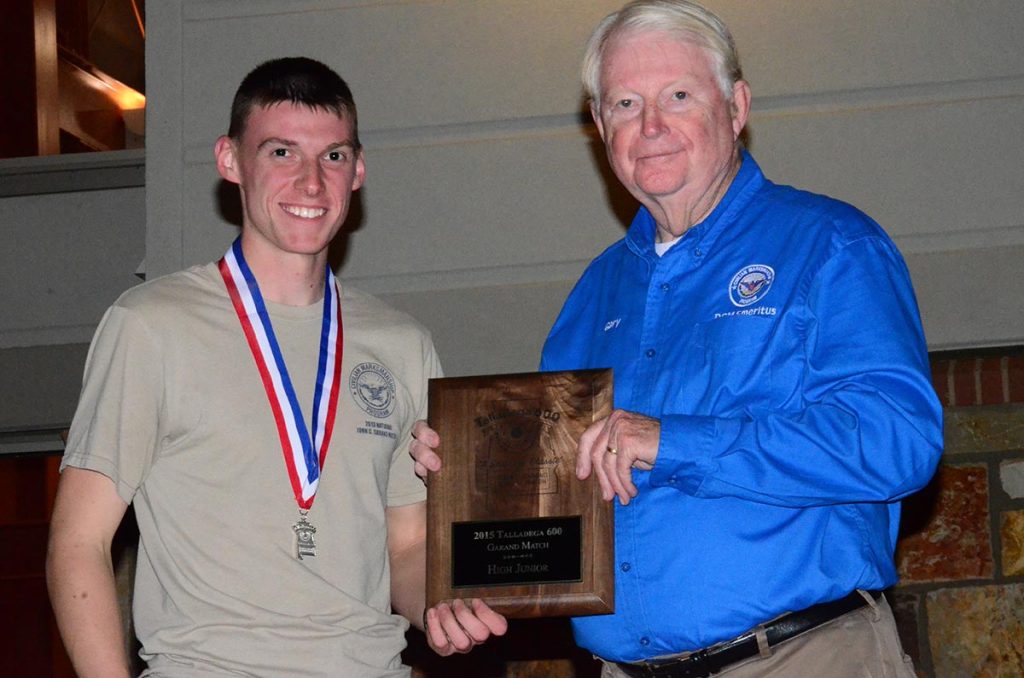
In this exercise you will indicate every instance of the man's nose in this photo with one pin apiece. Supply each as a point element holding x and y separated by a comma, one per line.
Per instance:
<point>653,123</point>
<point>311,178</point>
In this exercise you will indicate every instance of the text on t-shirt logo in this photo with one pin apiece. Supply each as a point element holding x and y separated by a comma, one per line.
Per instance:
<point>373,388</point>
<point>750,284</point>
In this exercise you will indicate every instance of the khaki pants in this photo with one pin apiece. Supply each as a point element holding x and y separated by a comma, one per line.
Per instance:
<point>860,643</point>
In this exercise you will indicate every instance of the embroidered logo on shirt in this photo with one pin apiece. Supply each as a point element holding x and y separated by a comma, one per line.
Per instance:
<point>750,284</point>
<point>373,388</point>
<point>612,324</point>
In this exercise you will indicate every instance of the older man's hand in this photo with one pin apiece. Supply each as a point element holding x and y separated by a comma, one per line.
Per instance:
<point>613,446</point>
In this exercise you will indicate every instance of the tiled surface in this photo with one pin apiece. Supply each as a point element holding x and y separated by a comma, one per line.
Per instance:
<point>977,631</point>
<point>905,608</point>
<point>958,614</point>
<point>1011,528</point>
<point>998,428</point>
<point>1011,476</point>
<point>955,541</point>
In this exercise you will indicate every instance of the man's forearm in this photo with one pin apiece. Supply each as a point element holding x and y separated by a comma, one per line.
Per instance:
<point>408,583</point>
<point>84,599</point>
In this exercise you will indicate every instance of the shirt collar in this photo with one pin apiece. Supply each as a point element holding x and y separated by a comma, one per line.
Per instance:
<point>749,178</point>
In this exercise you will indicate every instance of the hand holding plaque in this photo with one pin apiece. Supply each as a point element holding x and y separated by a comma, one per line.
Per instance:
<point>507,519</point>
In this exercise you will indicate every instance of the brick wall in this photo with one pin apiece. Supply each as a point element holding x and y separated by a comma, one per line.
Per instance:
<point>960,602</point>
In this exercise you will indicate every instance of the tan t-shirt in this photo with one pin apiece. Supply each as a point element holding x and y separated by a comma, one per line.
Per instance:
<point>173,410</point>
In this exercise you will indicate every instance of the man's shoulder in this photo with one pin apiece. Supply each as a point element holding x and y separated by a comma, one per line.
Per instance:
<point>834,218</point>
<point>610,259</point>
<point>174,291</point>
<point>362,310</point>
<point>605,275</point>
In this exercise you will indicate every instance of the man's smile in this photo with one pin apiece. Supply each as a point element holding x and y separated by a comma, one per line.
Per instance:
<point>304,212</point>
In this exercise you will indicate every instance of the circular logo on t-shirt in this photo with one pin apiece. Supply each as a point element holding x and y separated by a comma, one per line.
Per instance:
<point>750,284</point>
<point>373,387</point>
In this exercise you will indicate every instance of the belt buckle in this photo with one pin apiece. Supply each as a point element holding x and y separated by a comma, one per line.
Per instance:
<point>695,665</point>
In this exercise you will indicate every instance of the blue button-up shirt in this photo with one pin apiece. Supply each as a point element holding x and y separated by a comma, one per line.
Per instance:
<point>779,343</point>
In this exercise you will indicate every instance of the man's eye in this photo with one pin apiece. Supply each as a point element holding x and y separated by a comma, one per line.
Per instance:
<point>280,152</point>
<point>625,103</point>
<point>335,156</point>
<point>679,96</point>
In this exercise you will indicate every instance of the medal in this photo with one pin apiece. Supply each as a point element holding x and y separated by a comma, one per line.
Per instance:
<point>304,448</point>
<point>304,531</point>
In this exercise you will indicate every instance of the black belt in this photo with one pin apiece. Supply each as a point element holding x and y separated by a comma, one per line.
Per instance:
<point>703,663</point>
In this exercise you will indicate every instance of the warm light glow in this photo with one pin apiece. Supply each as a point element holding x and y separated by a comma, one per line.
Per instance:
<point>123,96</point>
<point>128,99</point>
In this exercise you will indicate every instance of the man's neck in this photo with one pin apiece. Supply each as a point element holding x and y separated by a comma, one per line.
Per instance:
<point>676,216</point>
<point>287,278</point>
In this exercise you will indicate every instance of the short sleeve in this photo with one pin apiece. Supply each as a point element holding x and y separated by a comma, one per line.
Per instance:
<point>116,425</point>
<point>404,486</point>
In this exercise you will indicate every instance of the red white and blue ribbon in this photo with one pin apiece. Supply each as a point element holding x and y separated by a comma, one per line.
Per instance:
<point>304,448</point>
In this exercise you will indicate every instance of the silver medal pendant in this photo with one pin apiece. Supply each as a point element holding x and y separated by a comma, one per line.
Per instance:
<point>304,531</point>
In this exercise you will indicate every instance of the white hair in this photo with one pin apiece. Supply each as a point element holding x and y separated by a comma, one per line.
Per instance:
<point>688,20</point>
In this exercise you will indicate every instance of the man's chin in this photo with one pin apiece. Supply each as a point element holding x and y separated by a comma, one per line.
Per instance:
<point>305,247</point>
<point>660,186</point>
<point>659,178</point>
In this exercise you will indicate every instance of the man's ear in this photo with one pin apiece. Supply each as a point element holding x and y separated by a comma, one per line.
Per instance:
<point>740,106</point>
<point>360,173</point>
<point>227,159</point>
<point>595,113</point>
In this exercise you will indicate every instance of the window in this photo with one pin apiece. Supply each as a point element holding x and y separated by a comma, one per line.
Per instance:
<point>77,76</point>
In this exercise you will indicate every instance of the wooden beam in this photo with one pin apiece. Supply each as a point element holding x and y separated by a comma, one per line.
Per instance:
<point>47,92</point>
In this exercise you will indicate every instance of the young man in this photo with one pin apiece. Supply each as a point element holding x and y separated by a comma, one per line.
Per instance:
<point>257,416</point>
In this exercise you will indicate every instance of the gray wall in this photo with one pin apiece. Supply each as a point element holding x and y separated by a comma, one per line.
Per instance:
<point>74,234</point>
<point>486,195</point>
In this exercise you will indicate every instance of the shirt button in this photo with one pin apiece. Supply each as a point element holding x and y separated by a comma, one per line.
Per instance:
<point>698,252</point>
<point>650,353</point>
<point>672,480</point>
<point>645,641</point>
<point>664,287</point>
<point>625,567</point>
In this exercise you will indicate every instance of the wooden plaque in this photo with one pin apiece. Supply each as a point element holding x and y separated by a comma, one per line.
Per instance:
<point>507,519</point>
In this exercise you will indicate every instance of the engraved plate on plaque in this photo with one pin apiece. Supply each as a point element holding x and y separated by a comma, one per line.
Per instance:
<point>508,521</point>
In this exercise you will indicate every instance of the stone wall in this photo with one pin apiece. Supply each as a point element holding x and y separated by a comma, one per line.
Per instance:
<point>960,602</point>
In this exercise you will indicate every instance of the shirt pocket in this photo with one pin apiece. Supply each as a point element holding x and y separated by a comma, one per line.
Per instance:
<point>736,363</point>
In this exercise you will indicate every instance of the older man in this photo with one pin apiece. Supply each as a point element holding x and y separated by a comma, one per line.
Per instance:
<point>770,374</point>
